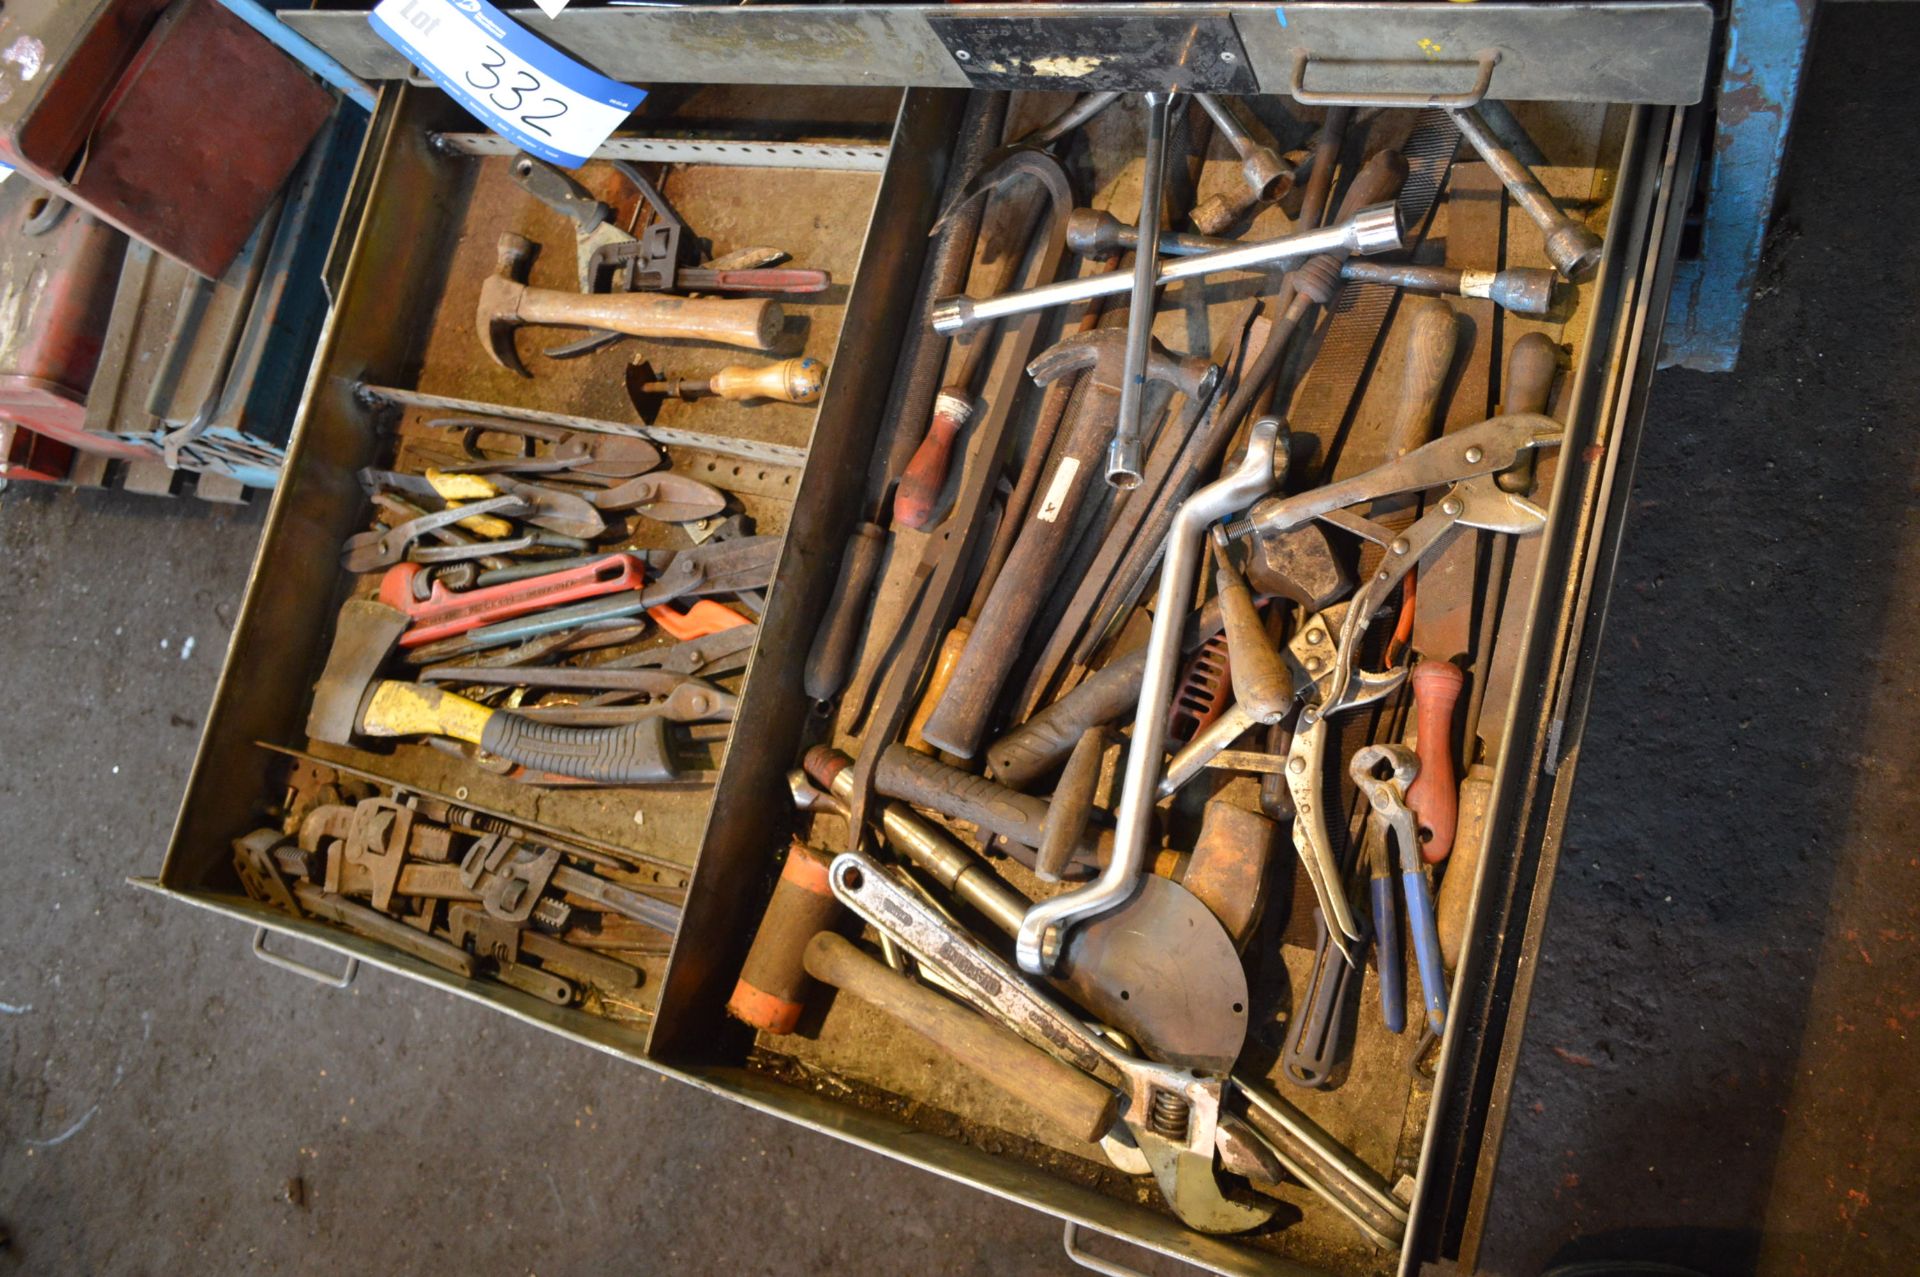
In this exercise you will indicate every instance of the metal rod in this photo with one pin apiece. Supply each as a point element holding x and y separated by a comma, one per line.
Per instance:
<point>1371,230</point>
<point>1522,290</point>
<point>1123,454</point>
<point>1572,248</point>
<point>1041,937</point>
<point>772,454</point>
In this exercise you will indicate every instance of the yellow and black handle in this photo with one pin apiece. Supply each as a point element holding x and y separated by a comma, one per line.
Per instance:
<point>627,754</point>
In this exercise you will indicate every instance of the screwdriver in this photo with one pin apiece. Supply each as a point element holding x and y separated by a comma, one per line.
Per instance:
<point>789,381</point>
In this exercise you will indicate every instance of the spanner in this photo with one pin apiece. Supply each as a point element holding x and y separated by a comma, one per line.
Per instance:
<point>1173,1114</point>
<point>1387,796</point>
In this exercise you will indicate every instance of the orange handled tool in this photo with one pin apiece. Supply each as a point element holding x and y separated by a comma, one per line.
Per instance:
<point>437,612</point>
<point>926,473</point>
<point>773,984</point>
<point>1433,795</point>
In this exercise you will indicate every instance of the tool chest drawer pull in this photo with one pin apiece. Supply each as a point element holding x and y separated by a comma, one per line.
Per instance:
<point>1070,1242</point>
<point>298,967</point>
<point>1486,60</point>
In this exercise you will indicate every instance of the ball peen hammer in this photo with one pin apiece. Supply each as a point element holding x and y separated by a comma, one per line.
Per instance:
<point>507,301</point>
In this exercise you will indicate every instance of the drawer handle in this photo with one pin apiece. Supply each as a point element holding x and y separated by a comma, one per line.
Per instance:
<point>1070,1241</point>
<point>1486,60</point>
<point>298,967</point>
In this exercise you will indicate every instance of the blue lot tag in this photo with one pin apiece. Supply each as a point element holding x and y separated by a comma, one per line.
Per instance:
<point>518,85</point>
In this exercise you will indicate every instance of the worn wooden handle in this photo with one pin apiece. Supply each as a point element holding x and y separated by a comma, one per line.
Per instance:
<point>1072,804</point>
<point>1455,898</point>
<point>1031,570</point>
<point>751,322</point>
<point>926,474</point>
<point>1532,365</point>
<point>789,381</point>
<point>1067,1096</point>
<point>1432,334</point>
<point>950,648</point>
<point>1436,690</point>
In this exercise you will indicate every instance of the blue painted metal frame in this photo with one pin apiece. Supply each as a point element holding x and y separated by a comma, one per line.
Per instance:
<point>1766,54</point>
<point>302,50</point>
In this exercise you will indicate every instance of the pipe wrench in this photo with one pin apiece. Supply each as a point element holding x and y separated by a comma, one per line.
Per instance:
<point>1173,1115</point>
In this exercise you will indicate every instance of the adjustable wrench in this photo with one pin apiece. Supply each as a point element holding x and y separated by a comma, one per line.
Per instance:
<point>1172,1114</point>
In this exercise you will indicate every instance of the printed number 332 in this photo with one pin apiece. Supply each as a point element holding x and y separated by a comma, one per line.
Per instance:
<point>492,65</point>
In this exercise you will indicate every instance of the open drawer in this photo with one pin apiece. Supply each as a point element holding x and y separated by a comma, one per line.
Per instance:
<point>403,319</point>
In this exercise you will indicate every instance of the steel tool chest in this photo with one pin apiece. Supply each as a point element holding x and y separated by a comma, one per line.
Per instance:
<point>1608,91</point>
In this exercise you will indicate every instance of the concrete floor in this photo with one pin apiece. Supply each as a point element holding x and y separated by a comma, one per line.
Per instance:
<point>1718,1068</point>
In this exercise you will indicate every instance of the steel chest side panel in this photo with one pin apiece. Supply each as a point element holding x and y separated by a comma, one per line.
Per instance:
<point>278,642</point>
<point>750,815</point>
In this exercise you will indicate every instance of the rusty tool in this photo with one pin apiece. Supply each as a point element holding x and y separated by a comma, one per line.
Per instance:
<point>1130,568</point>
<point>506,302</point>
<point>960,718</point>
<point>1267,174</point>
<point>578,452</point>
<point>1572,248</point>
<point>926,472</point>
<point>1021,819</point>
<point>1066,1096</point>
<point>1123,453</point>
<point>665,498</point>
<point>796,381</point>
<point>941,572</point>
<point>384,547</point>
<point>708,655</point>
<point>555,509</point>
<point>1262,683</point>
<point>1228,870</point>
<point>772,989</point>
<point>676,697</point>
<point>1524,290</point>
<point>846,617</point>
<point>1118,531</point>
<point>1031,749</point>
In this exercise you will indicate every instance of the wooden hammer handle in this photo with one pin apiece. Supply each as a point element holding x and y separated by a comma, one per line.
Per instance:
<point>750,322</point>
<point>1069,1097</point>
<point>1432,336</point>
<point>1032,567</point>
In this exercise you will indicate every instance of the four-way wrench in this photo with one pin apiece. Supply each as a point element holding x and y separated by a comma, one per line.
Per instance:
<point>1173,1114</point>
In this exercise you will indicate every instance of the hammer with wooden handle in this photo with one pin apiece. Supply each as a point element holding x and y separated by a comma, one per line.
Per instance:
<point>506,302</point>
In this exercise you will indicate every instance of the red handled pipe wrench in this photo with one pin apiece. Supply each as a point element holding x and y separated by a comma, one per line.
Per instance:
<point>439,613</point>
